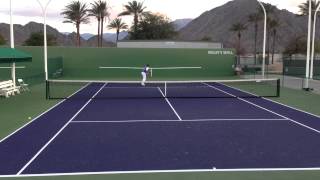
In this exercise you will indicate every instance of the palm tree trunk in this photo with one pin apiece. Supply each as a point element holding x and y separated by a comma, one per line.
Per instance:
<point>118,31</point>
<point>98,33</point>
<point>101,37</point>
<point>255,42</point>
<point>239,47</point>
<point>135,21</point>
<point>273,45</point>
<point>78,35</point>
<point>268,46</point>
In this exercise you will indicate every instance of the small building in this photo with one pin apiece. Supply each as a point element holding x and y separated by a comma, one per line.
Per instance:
<point>169,44</point>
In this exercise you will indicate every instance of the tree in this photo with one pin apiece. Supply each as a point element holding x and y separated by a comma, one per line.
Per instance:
<point>206,38</point>
<point>269,10</point>
<point>296,45</point>
<point>104,14</point>
<point>273,25</point>
<point>238,28</point>
<point>77,14</point>
<point>304,8</point>
<point>118,25</point>
<point>137,10</point>
<point>255,18</point>
<point>36,39</point>
<point>95,11</point>
<point>2,40</point>
<point>153,26</point>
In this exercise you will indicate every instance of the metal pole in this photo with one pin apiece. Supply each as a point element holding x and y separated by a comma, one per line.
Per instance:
<point>13,67</point>
<point>44,11</point>
<point>264,40</point>
<point>306,84</point>
<point>313,41</point>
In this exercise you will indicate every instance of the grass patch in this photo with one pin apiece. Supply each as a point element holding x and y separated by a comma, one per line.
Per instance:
<point>303,100</point>
<point>16,110</point>
<point>283,175</point>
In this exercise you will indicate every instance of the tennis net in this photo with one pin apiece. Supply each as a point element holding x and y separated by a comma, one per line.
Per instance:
<point>247,88</point>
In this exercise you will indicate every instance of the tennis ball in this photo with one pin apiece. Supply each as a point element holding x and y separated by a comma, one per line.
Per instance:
<point>29,118</point>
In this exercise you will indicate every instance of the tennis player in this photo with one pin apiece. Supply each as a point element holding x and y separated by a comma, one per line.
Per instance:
<point>144,73</point>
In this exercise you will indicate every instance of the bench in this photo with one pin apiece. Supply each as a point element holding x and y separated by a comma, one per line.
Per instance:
<point>7,88</point>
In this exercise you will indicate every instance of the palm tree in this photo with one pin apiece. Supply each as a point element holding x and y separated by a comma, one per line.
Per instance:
<point>238,28</point>
<point>104,10</point>
<point>255,18</point>
<point>273,25</point>
<point>137,10</point>
<point>95,11</point>
<point>118,25</point>
<point>304,7</point>
<point>76,13</point>
<point>269,10</point>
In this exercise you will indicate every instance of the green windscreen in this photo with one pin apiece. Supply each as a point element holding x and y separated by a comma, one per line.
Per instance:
<point>88,63</point>
<point>297,67</point>
<point>33,72</point>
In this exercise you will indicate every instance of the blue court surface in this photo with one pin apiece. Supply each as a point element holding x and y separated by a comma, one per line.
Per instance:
<point>136,135</point>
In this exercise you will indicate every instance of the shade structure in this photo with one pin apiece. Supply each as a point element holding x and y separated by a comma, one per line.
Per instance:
<point>9,55</point>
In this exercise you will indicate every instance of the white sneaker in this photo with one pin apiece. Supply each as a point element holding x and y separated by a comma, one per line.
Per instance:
<point>142,84</point>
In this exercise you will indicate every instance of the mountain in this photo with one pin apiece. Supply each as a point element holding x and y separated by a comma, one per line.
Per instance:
<point>112,37</point>
<point>94,40</point>
<point>108,37</point>
<point>65,33</point>
<point>22,33</point>
<point>87,36</point>
<point>181,23</point>
<point>217,22</point>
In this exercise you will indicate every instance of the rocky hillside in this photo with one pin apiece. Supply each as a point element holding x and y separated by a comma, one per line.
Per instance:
<point>217,22</point>
<point>181,23</point>
<point>22,33</point>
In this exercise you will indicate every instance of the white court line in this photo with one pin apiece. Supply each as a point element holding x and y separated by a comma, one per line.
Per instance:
<point>192,120</point>
<point>157,68</point>
<point>275,102</point>
<point>25,125</point>
<point>163,171</point>
<point>17,67</point>
<point>175,112</point>
<point>264,109</point>
<point>131,87</point>
<point>293,121</point>
<point>56,135</point>
<point>249,102</point>
<point>291,107</point>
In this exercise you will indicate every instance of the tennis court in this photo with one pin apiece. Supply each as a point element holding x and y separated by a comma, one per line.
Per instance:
<point>121,127</point>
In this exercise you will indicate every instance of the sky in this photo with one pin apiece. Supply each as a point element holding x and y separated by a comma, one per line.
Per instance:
<point>29,10</point>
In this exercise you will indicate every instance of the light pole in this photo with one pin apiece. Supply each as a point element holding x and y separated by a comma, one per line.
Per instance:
<point>264,39</point>
<point>44,12</point>
<point>13,67</point>
<point>313,40</point>
<point>306,83</point>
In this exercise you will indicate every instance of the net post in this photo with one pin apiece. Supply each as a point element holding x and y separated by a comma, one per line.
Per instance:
<point>47,90</point>
<point>278,87</point>
<point>165,89</point>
